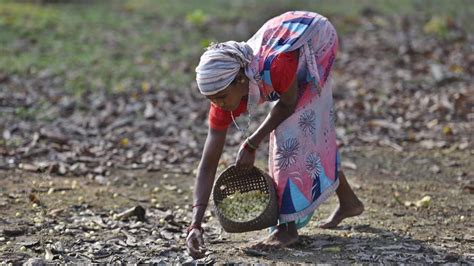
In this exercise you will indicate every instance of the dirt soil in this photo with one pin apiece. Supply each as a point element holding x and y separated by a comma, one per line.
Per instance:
<point>392,229</point>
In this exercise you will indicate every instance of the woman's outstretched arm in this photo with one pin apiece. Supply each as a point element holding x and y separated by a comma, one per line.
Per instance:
<point>206,172</point>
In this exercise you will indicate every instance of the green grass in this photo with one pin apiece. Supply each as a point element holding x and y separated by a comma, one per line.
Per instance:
<point>118,45</point>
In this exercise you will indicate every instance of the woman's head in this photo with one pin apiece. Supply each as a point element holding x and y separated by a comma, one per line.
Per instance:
<point>221,67</point>
<point>229,98</point>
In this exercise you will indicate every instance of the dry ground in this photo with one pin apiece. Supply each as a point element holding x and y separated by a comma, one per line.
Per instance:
<point>387,231</point>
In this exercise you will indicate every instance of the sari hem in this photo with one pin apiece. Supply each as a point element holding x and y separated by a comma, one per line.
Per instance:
<point>285,218</point>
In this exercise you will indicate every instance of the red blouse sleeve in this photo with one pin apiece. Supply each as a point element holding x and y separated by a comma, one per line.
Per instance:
<point>283,70</point>
<point>220,119</point>
<point>283,73</point>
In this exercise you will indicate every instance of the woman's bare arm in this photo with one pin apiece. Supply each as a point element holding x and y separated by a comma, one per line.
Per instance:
<point>282,110</point>
<point>206,171</point>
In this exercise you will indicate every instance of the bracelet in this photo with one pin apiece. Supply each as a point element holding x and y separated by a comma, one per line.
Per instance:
<point>197,205</point>
<point>194,226</point>
<point>249,146</point>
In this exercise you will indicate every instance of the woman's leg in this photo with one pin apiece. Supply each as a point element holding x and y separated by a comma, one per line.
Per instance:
<point>349,204</point>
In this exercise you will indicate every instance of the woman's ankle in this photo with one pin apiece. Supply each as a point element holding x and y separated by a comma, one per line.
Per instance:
<point>289,227</point>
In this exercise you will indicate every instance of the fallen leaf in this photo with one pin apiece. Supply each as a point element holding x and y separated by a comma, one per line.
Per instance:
<point>137,211</point>
<point>48,255</point>
<point>332,249</point>
<point>349,165</point>
<point>383,124</point>
<point>149,110</point>
<point>33,198</point>
<point>447,130</point>
<point>170,187</point>
<point>124,141</point>
<point>424,202</point>
<point>254,252</point>
<point>435,169</point>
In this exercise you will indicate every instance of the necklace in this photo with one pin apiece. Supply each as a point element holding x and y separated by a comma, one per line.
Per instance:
<point>249,118</point>
<point>252,101</point>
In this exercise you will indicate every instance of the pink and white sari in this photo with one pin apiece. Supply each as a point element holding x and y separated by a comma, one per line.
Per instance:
<point>303,159</point>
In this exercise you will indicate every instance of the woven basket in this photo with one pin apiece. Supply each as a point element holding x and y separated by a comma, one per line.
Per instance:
<point>235,179</point>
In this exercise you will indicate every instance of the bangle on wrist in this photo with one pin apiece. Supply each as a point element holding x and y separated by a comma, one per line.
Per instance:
<point>248,148</point>
<point>197,205</point>
<point>249,144</point>
<point>194,226</point>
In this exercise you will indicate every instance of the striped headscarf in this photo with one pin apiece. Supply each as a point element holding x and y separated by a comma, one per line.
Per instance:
<point>220,64</point>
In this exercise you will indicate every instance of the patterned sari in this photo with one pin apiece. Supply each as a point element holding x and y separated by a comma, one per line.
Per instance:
<point>303,159</point>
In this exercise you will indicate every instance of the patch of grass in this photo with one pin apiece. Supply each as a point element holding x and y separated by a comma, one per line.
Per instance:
<point>26,113</point>
<point>25,17</point>
<point>120,44</point>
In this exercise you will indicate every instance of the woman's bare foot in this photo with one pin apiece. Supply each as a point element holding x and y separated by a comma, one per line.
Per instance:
<point>283,236</point>
<point>349,204</point>
<point>343,211</point>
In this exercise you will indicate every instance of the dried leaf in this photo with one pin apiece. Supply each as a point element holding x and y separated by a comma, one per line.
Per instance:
<point>332,249</point>
<point>254,252</point>
<point>137,211</point>
<point>170,187</point>
<point>383,124</point>
<point>48,255</point>
<point>447,130</point>
<point>54,136</point>
<point>424,202</point>
<point>349,164</point>
<point>149,110</point>
<point>124,142</point>
<point>435,169</point>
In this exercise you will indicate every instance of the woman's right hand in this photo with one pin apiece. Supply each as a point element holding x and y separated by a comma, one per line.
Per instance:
<point>195,244</point>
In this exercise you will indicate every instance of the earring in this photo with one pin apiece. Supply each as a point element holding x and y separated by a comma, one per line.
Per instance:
<point>241,80</point>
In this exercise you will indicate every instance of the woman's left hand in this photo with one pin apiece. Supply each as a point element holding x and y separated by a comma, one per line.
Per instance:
<point>245,157</point>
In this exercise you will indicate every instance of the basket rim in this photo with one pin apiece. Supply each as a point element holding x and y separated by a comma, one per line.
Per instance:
<point>267,207</point>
